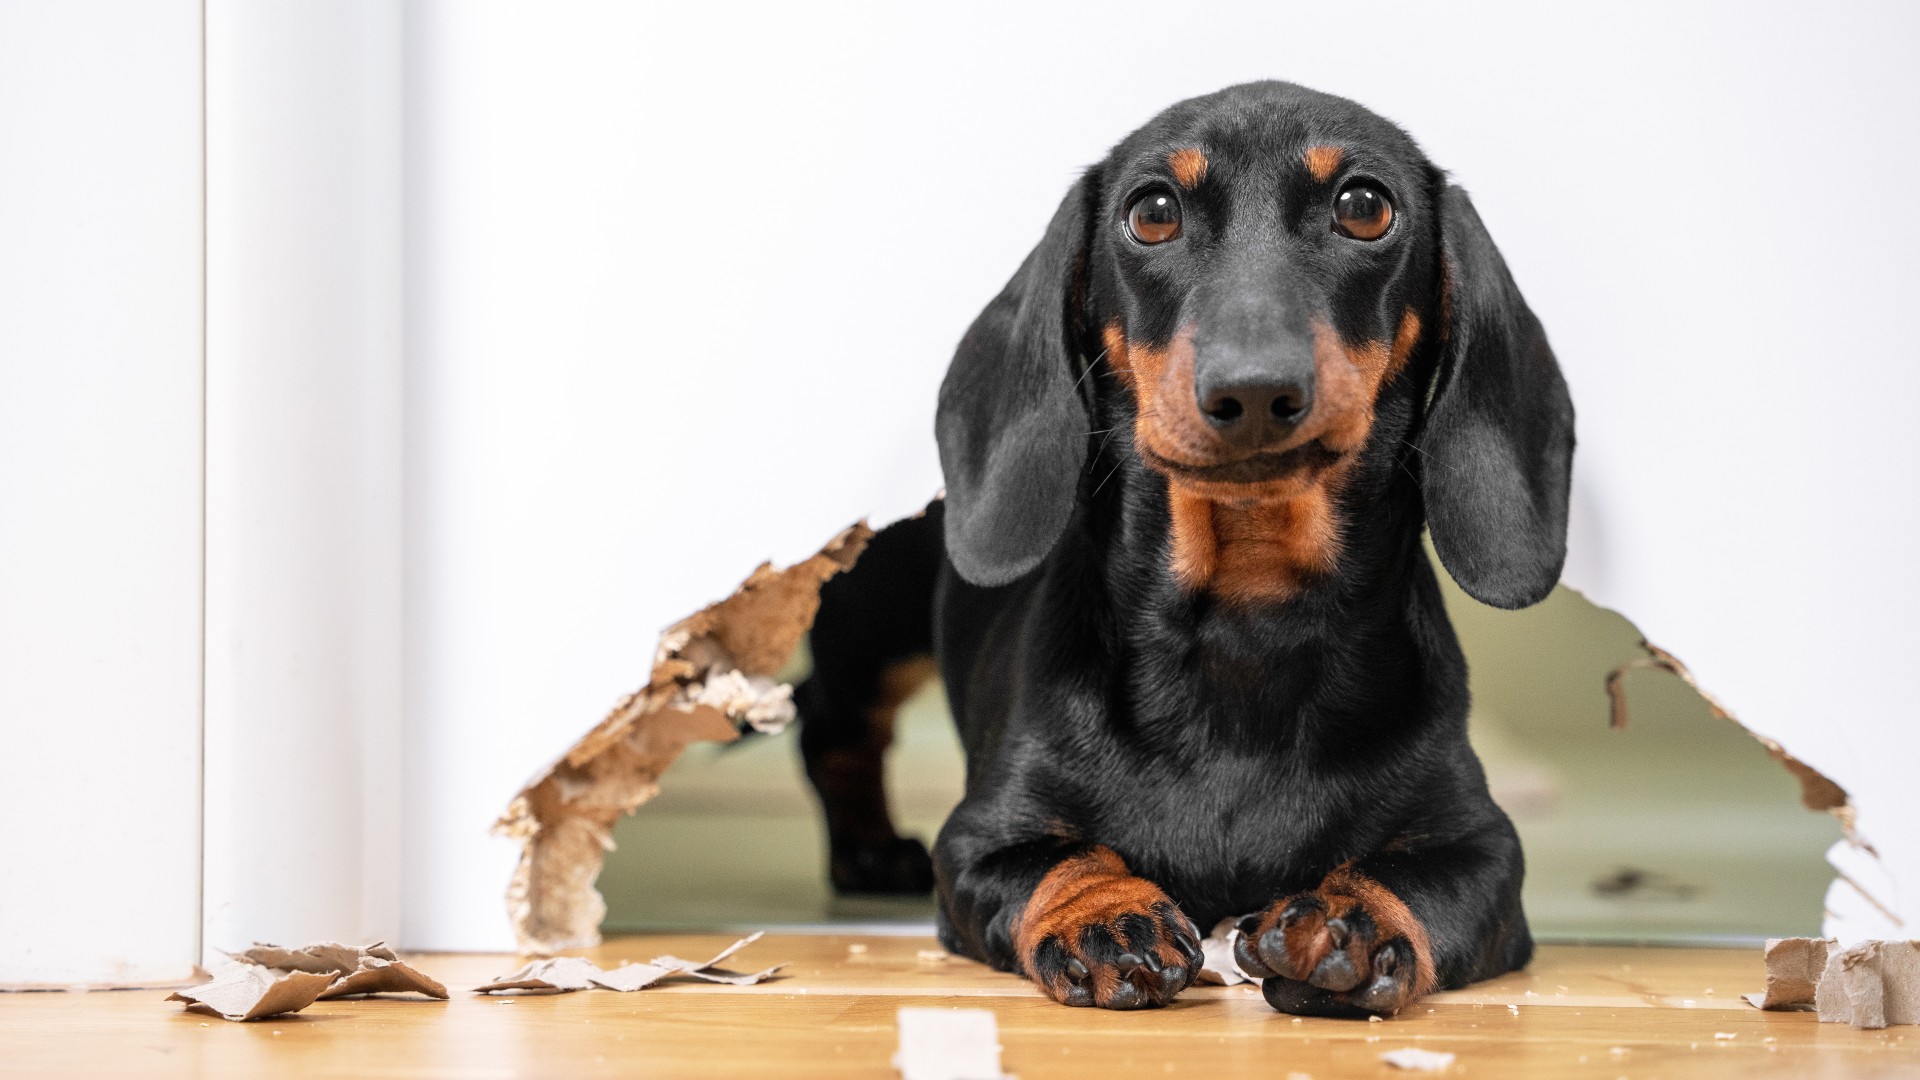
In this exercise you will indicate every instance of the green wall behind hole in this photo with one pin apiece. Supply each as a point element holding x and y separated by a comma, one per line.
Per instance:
<point>1683,802</point>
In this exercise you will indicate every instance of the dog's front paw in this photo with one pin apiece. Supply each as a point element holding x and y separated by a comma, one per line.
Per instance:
<point>1349,948</point>
<point>1093,934</point>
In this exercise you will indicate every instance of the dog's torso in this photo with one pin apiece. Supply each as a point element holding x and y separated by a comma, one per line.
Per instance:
<point>1228,755</point>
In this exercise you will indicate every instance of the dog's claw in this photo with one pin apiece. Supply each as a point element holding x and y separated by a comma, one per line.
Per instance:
<point>1132,963</point>
<point>1385,961</point>
<point>1301,908</point>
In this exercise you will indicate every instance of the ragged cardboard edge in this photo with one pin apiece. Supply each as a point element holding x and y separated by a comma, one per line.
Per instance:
<point>357,971</point>
<point>1872,985</point>
<point>552,975</point>
<point>244,991</point>
<point>1869,985</point>
<point>1794,966</point>
<point>712,678</point>
<point>566,974</point>
<point>1817,791</point>
<point>271,980</point>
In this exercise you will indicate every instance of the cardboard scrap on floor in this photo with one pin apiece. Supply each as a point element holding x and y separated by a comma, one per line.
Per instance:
<point>373,969</point>
<point>1414,1059</point>
<point>948,1044</point>
<point>270,980</point>
<point>566,974</point>
<point>1217,964</point>
<point>712,678</point>
<point>1869,985</point>
<point>1794,966</point>
<point>243,991</point>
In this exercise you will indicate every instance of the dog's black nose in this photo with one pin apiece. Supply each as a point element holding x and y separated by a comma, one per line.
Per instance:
<point>1253,411</point>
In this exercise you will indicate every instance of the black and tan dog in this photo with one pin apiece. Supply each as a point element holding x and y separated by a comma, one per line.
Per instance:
<point>1177,590</point>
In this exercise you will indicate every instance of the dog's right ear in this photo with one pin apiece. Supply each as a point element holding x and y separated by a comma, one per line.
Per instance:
<point>1012,428</point>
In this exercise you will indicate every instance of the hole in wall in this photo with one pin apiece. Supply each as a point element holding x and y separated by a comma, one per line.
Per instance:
<point>1680,828</point>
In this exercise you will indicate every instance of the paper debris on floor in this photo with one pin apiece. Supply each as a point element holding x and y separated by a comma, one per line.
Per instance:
<point>369,969</point>
<point>948,1044</point>
<point>1871,985</point>
<point>1217,965</point>
<point>565,974</point>
<point>272,980</point>
<point>555,975</point>
<point>1414,1059</point>
<point>1794,966</point>
<point>243,991</point>
<point>712,678</point>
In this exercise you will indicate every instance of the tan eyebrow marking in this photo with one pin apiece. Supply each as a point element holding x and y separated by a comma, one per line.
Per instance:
<point>1322,161</point>
<point>1189,167</point>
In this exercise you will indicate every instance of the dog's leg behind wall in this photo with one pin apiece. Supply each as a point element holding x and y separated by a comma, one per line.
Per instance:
<point>872,648</point>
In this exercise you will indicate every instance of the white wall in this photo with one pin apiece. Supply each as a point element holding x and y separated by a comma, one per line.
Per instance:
<point>682,283</point>
<point>303,472</point>
<point>100,429</point>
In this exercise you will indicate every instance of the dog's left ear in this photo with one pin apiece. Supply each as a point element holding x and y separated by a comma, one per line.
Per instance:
<point>1498,437</point>
<point>1011,427</point>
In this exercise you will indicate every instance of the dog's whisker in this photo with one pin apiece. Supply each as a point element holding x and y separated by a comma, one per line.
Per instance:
<point>1091,364</point>
<point>1423,453</point>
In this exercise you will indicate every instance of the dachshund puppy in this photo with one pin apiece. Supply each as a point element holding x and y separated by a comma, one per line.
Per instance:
<point>1176,587</point>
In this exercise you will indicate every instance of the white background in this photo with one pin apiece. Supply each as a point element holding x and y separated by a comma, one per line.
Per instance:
<point>680,283</point>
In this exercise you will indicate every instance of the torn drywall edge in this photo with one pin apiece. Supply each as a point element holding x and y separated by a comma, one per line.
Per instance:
<point>1816,791</point>
<point>1853,858</point>
<point>712,676</point>
<point>1855,908</point>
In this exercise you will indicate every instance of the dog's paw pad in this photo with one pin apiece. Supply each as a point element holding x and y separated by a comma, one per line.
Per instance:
<point>1127,960</point>
<point>1111,940</point>
<point>1349,948</point>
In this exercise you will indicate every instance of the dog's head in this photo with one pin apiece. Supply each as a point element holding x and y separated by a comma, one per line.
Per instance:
<point>1280,280</point>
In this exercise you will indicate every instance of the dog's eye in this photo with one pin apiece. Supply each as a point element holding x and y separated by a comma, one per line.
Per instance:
<point>1154,218</point>
<point>1362,211</point>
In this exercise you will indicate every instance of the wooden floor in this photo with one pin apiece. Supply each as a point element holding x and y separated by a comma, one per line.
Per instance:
<point>1579,1012</point>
